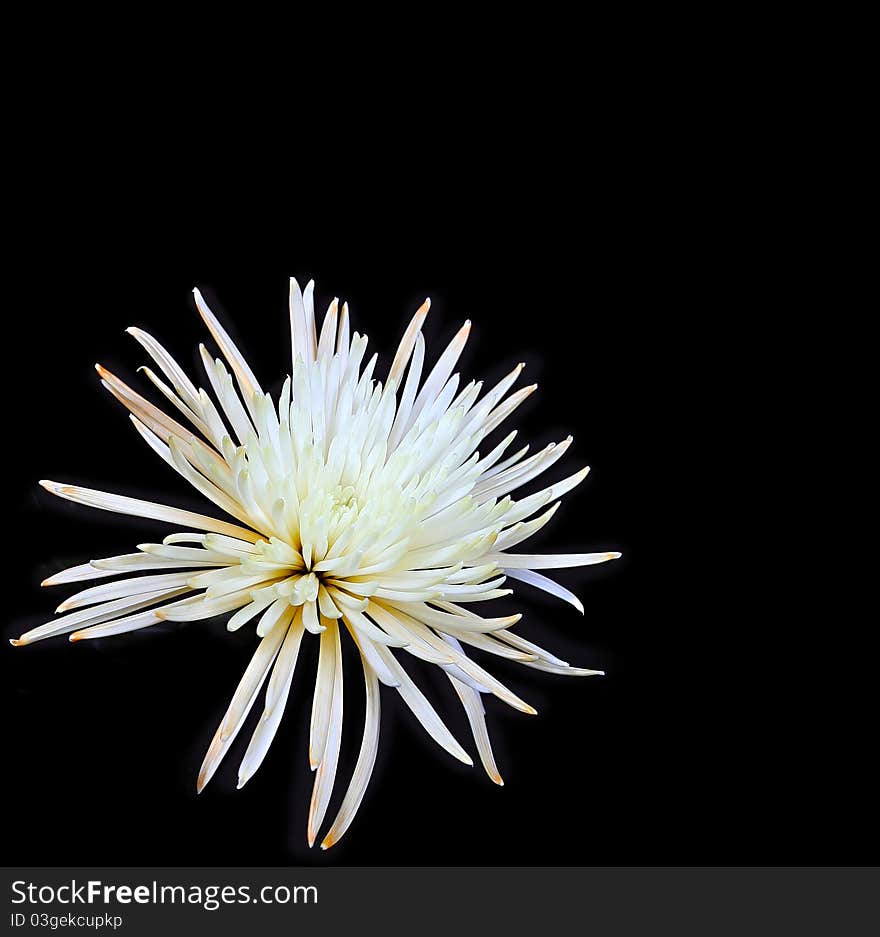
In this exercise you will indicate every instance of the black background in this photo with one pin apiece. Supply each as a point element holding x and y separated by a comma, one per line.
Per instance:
<point>700,745</point>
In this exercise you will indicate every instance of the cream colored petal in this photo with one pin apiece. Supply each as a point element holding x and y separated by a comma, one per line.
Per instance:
<point>407,343</point>
<point>326,772</point>
<point>248,383</point>
<point>542,561</point>
<point>277,692</point>
<point>322,696</point>
<point>119,504</point>
<point>137,585</point>
<point>546,585</point>
<point>96,614</point>
<point>473,707</point>
<point>422,709</point>
<point>364,768</point>
<point>242,700</point>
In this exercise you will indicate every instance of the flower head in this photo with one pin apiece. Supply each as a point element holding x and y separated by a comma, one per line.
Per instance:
<point>358,508</point>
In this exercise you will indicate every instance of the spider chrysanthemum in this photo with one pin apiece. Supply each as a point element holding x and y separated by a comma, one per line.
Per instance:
<point>359,507</point>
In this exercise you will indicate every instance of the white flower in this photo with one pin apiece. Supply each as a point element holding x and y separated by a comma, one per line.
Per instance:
<point>361,507</point>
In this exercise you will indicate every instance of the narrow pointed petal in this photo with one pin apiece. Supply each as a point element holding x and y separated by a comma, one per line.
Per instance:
<point>77,574</point>
<point>170,368</point>
<point>473,708</point>
<point>322,696</point>
<point>407,343</point>
<point>276,700</point>
<point>546,585</point>
<point>540,561</point>
<point>363,770</point>
<point>249,384</point>
<point>326,772</point>
<point>241,703</point>
<point>422,709</point>
<point>95,614</point>
<point>119,504</point>
<point>137,585</point>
